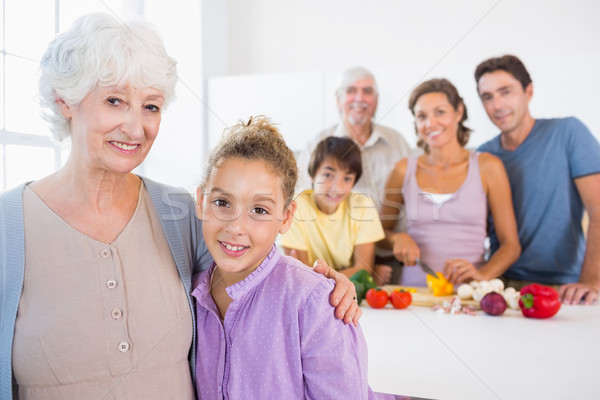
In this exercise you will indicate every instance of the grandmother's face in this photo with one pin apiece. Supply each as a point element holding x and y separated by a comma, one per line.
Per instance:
<point>114,128</point>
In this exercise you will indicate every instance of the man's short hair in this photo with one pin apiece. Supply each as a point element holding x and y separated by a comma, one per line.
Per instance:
<point>352,75</point>
<point>508,63</point>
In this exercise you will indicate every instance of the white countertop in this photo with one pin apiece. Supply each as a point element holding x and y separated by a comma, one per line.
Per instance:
<point>418,352</point>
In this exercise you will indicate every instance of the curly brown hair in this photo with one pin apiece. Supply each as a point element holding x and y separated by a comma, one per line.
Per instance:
<point>257,139</point>
<point>446,87</point>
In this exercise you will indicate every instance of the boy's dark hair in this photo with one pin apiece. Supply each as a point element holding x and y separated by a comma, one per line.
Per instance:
<point>508,63</point>
<point>345,152</point>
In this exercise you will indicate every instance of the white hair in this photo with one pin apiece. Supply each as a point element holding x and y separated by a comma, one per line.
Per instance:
<point>100,50</point>
<point>352,75</point>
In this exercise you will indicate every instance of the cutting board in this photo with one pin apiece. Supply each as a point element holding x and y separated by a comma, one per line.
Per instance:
<point>423,298</point>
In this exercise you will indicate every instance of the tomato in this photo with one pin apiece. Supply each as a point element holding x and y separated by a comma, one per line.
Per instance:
<point>377,298</point>
<point>400,299</point>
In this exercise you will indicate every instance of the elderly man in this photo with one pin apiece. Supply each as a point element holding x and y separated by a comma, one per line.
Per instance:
<point>381,147</point>
<point>553,166</point>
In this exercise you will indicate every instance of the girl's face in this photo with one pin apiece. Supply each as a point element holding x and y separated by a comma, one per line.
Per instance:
<point>242,210</point>
<point>114,128</point>
<point>331,185</point>
<point>436,120</point>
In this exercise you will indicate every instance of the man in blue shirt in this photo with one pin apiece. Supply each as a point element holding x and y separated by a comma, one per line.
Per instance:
<point>553,166</point>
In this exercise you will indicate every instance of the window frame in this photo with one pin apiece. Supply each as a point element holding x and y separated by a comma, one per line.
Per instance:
<point>33,139</point>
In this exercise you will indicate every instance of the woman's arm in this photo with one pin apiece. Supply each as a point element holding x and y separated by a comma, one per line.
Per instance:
<point>404,247</point>
<point>392,197</point>
<point>343,296</point>
<point>501,207</point>
<point>344,293</point>
<point>496,186</point>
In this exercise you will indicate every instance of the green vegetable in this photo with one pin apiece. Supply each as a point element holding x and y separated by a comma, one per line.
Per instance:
<point>362,282</point>
<point>365,278</point>
<point>360,291</point>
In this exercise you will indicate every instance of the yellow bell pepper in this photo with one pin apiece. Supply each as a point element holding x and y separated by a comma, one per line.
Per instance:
<point>439,285</point>
<point>409,289</point>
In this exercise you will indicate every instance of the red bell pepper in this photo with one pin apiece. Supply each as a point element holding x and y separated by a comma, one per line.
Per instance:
<point>539,301</point>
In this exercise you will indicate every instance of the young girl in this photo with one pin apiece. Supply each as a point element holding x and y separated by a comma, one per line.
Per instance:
<point>331,222</point>
<point>264,319</point>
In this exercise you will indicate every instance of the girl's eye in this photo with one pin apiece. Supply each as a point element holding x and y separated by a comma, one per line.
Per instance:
<point>349,178</point>
<point>259,211</point>
<point>220,203</point>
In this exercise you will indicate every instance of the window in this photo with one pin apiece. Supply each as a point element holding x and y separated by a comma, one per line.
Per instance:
<point>27,149</point>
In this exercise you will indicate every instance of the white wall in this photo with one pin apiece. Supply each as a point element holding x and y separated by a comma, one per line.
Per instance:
<point>275,36</point>
<point>177,154</point>
<point>282,58</point>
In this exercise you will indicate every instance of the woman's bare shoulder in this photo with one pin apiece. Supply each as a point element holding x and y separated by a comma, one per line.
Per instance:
<point>490,164</point>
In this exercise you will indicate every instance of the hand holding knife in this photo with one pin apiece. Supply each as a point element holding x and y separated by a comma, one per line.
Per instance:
<point>426,268</point>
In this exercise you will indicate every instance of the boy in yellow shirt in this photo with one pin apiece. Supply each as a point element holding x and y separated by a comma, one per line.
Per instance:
<point>332,222</point>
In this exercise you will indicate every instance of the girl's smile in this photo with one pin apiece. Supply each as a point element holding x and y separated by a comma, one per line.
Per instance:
<point>242,208</point>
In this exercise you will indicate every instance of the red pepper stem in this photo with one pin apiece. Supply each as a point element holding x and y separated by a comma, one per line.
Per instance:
<point>527,300</point>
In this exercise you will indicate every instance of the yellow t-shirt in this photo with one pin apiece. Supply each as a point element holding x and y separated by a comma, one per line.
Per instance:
<point>332,237</point>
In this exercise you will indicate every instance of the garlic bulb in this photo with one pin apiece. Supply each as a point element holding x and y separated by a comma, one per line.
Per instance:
<point>465,291</point>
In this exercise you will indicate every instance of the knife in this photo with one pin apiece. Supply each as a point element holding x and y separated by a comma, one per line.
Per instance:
<point>426,268</point>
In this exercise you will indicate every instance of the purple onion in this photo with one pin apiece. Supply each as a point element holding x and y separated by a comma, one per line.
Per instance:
<point>493,303</point>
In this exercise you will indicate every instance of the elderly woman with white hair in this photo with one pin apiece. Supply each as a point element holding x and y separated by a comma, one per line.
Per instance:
<point>95,261</point>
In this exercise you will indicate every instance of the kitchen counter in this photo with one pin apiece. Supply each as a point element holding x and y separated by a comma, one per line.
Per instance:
<point>420,353</point>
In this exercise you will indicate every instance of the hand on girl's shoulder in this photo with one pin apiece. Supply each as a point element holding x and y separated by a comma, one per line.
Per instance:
<point>301,273</point>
